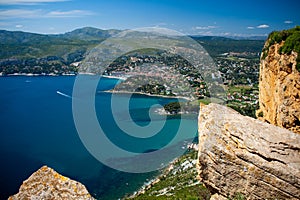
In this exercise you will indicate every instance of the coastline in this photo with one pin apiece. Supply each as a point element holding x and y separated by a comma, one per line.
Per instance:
<point>181,165</point>
<point>104,76</point>
<point>70,74</point>
<point>114,77</point>
<point>147,94</point>
<point>30,75</point>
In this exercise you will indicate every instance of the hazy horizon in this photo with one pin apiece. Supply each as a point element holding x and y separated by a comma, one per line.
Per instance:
<point>193,35</point>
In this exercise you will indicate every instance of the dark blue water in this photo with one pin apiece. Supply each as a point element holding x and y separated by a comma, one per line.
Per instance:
<point>37,128</point>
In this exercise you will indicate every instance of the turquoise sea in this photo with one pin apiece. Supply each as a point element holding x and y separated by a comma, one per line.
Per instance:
<point>37,128</point>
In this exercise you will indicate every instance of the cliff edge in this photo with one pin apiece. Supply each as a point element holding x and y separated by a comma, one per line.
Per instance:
<point>242,155</point>
<point>279,80</point>
<point>48,184</point>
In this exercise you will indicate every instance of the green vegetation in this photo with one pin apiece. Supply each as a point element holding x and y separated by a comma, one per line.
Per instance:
<point>173,107</point>
<point>219,45</point>
<point>238,196</point>
<point>243,99</point>
<point>186,107</point>
<point>292,42</point>
<point>205,101</point>
<point>23,52</point>
<point>20,45</point>
<point>179,182</point>
<point>260,114</point>
<point>42,53</point>
<point>237,60</point>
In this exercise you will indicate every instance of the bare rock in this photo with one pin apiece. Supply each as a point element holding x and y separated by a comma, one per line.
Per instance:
<point>279,89</point>
<point>242,155</point>
<point>48,184</point>
<point>217,197</point>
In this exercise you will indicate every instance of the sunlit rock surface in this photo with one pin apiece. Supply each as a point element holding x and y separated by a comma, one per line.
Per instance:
<point>242,155</point>
<point>48,184</point>
<point>279,89</point>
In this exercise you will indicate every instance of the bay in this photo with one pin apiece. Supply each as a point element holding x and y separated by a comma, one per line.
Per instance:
<point>37,128</point>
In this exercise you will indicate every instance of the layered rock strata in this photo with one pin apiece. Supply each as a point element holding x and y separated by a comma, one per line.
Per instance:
<point>242,155</point>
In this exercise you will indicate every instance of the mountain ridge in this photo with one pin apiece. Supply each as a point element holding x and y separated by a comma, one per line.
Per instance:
<point>24,52</point>
<point>85,33</point>
<point>97,32</point>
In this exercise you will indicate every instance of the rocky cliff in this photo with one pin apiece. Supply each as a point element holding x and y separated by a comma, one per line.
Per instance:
<point>48,184</point>
<point>242,155</point>
<point>279,81</point>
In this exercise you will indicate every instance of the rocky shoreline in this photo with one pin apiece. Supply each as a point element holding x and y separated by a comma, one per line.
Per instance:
<point>182,166</point>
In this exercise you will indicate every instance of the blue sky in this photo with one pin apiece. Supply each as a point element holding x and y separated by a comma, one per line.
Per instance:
<point>213,17</point>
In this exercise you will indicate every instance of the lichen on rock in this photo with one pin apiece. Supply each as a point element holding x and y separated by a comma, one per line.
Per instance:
<point>48,184</point>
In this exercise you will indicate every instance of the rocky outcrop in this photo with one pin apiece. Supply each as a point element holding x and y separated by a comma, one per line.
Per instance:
<point>48,184</point>
<point>279,88</point>
<point>242,155</point>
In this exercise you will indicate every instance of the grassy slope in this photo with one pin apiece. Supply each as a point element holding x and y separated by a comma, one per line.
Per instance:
<point>177,183</point>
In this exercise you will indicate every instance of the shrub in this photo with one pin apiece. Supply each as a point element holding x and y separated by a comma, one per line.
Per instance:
<point>260,114</point>
<point>292,42</point>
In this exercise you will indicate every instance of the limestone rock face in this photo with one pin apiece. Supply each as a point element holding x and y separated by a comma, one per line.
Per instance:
<point>48,184</point>
<point>279,89</point>
<point>242,155</point>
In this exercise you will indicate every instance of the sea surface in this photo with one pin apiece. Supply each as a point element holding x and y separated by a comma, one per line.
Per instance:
<point>37,128</point>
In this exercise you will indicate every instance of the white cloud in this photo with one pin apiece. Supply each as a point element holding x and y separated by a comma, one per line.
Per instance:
<point>288,22</point>
<point>70,13</point>
<point>205,27</point>
<point>3,24</point>
<point>263,26</point>
<point>19,13</point>
<point>19,26</point>
<point>23,13</point>
<point>29,2</point>
<point>250,27</point>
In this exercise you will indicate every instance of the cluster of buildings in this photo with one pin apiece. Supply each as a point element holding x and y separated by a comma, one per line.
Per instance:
<point>164,74</point>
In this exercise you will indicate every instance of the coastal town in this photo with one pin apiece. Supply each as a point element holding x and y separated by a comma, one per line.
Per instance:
<point>159,73</point>
<point>162,74</point>
<point>156,72</point>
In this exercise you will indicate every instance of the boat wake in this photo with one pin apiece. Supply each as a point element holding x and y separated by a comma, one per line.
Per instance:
<point>63,94</point>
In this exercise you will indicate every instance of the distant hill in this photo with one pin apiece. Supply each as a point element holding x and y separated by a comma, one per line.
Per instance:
<point>90,33</point>
<point>86,33</point>
<point>215,45</point>
<point>211,38</point>
<point>20,45</point>
<point>17,44</point>
<point>23,51</point>
<point>18,37</point>
<point>250,38</point>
